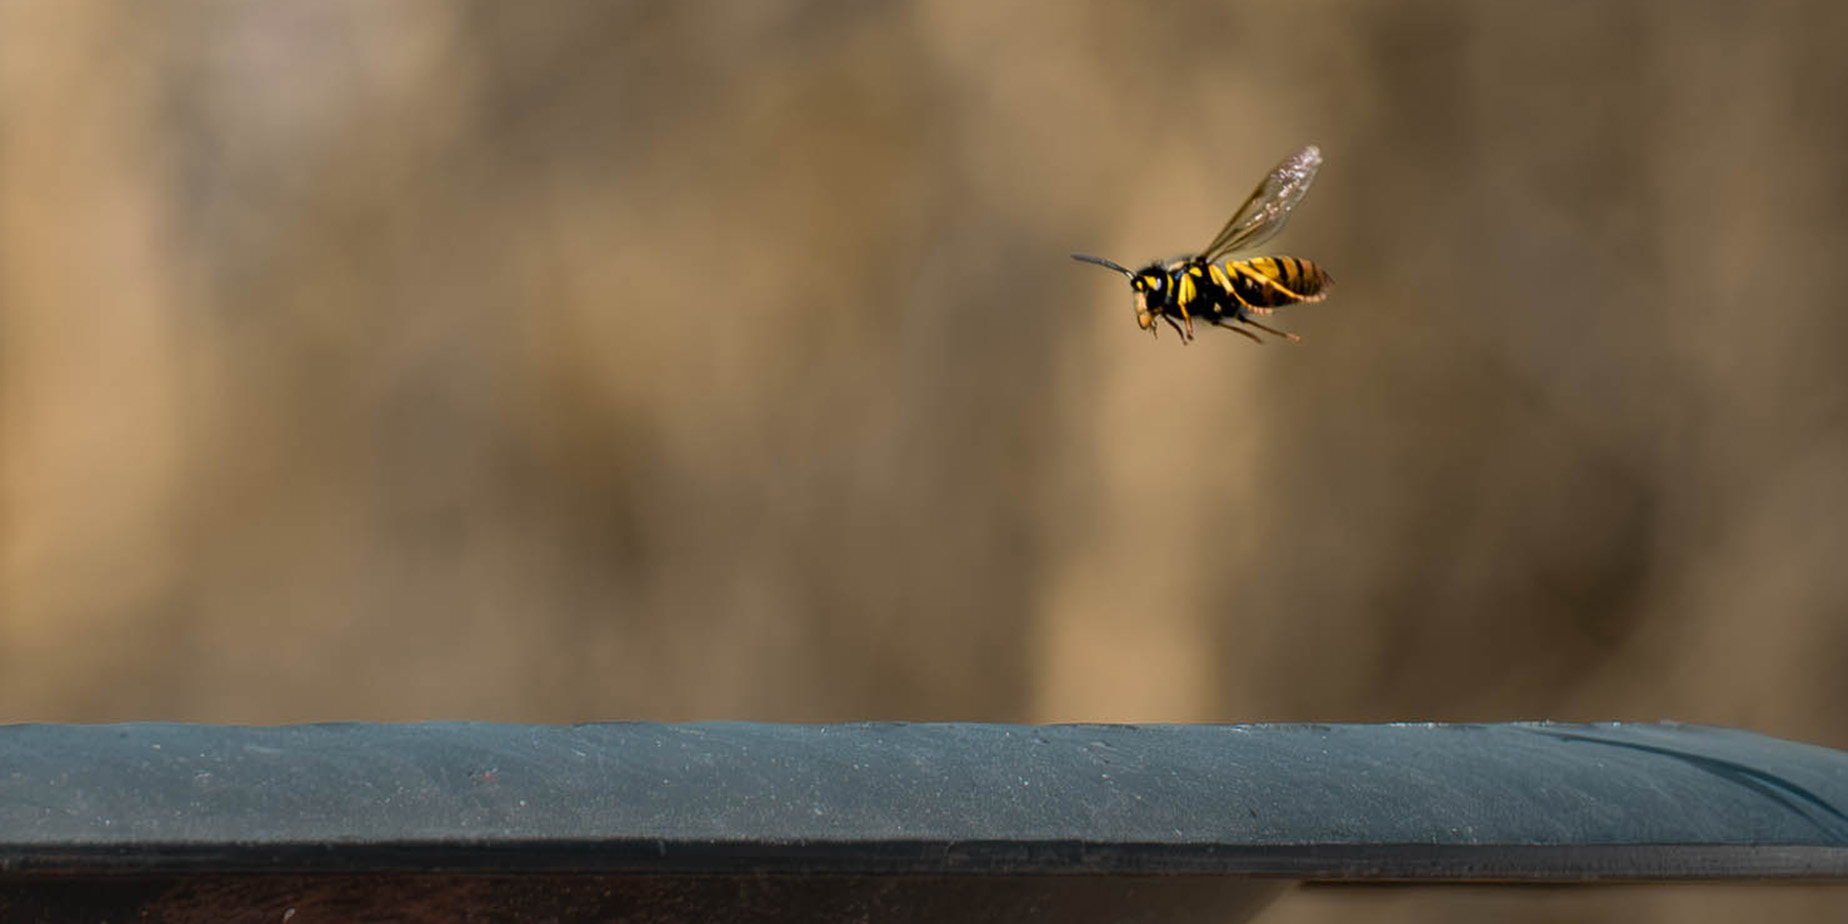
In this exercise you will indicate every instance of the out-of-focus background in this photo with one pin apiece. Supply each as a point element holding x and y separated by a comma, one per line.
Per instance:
<point>555,362</point>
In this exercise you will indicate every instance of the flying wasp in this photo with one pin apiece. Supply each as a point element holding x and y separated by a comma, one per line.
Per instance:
<point>1238,291</point>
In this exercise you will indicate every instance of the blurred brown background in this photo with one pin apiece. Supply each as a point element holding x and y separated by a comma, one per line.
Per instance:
<point>555,362</point>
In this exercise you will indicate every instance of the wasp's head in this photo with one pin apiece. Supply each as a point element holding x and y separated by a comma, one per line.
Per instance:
<point>1149,283</point>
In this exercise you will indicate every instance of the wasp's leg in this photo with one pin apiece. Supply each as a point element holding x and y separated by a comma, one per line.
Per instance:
<point>1244,308</point>
<point>1242,313</point>
<point>1186,317</point>
<point>1239,330</point>
<point>1177,328</point>
<point>1272,330</point>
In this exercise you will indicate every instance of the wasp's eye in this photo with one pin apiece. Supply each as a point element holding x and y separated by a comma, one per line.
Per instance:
<point>1155,282</point>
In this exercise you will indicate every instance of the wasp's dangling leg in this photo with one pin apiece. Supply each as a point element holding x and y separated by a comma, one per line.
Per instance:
<point>1174,324</point>
<point>1272,330</point>
<point>1240,331</point>
<point>1247,309</point>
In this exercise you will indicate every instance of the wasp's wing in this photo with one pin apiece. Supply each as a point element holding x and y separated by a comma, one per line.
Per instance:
<point>1263,214</point>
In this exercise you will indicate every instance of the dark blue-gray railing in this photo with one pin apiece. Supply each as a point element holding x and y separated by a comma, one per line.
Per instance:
<point>896,807</point>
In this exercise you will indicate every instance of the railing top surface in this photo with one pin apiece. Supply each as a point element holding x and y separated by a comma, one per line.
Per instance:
<point>1416,801</point>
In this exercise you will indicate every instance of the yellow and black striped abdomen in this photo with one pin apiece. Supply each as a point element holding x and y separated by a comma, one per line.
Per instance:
<point>1269,282</point>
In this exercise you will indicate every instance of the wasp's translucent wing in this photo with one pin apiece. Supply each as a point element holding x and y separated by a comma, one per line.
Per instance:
<point>1263,214</point>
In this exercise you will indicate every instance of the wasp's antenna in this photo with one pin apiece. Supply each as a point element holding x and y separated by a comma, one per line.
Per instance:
<point>1100,261</point>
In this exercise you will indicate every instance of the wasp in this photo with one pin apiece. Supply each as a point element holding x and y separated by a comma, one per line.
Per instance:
<point>1225,292</point>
